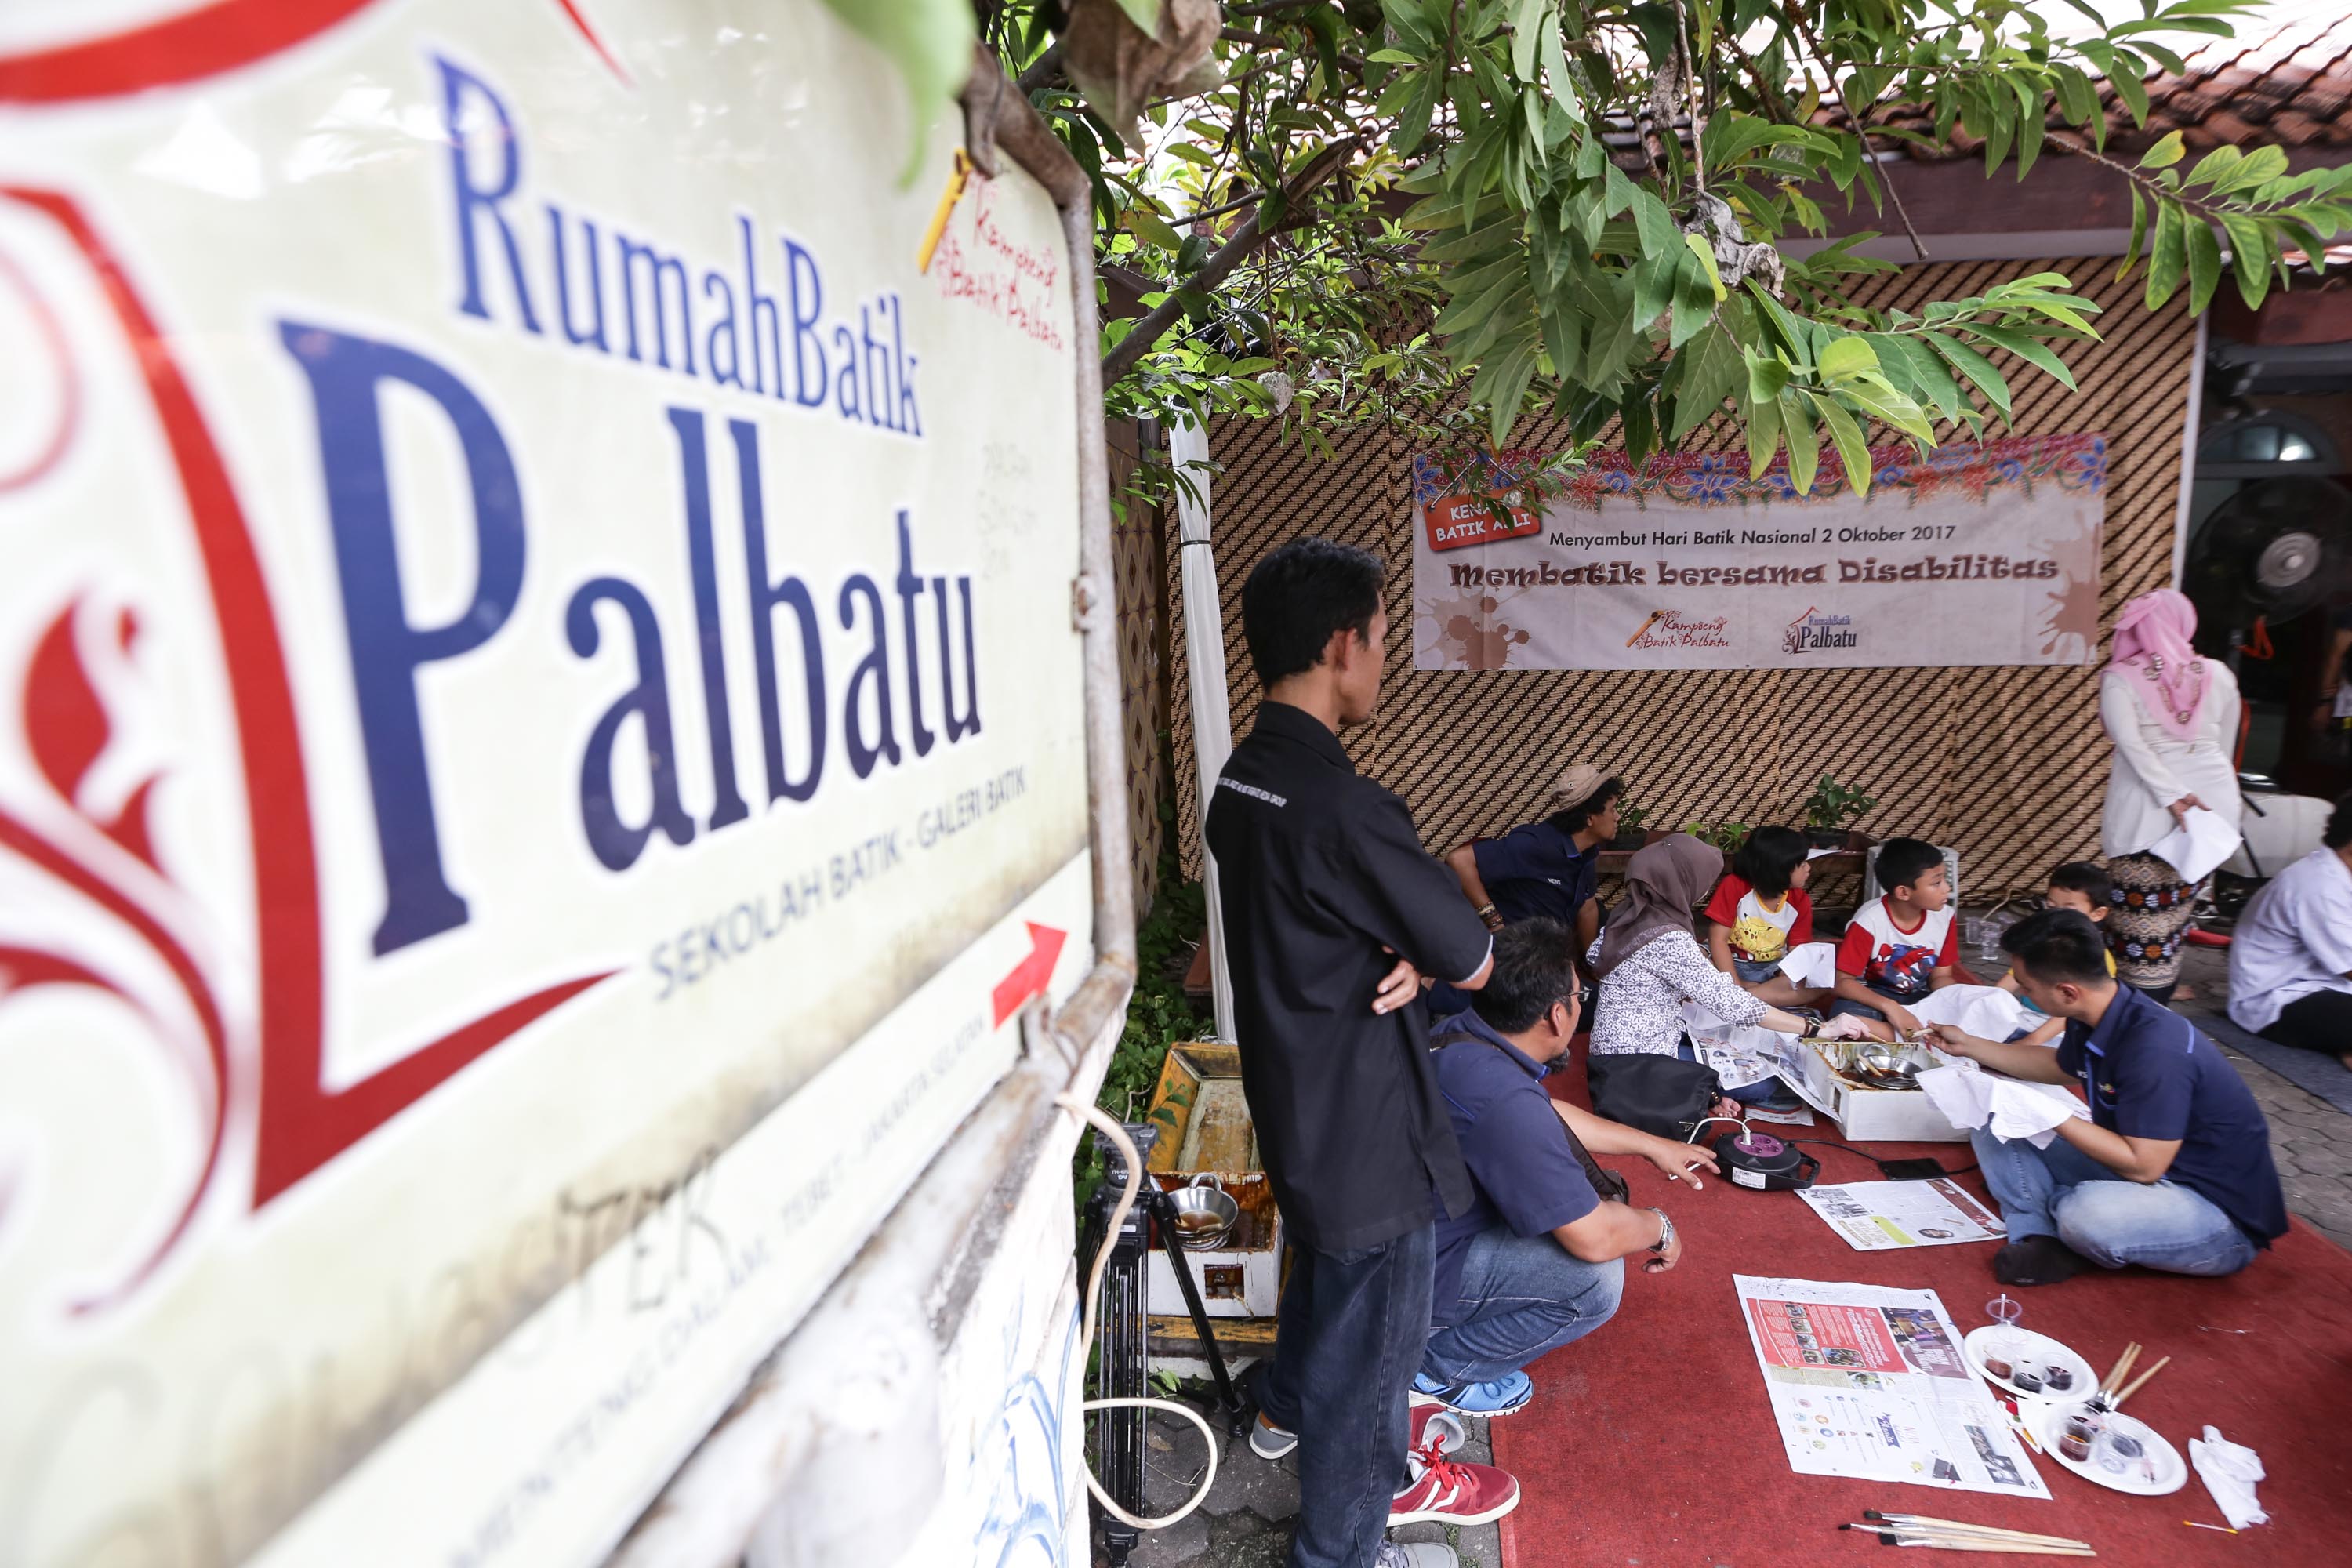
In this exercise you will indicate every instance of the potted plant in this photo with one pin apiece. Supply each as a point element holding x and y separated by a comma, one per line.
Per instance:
<point>1830,811</point>
<point>1630,818</point>
<point>1728,838</point>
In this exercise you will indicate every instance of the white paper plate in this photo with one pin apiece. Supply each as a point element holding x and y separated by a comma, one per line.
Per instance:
<point>2171,1470</point>
<point>2042,1351</point>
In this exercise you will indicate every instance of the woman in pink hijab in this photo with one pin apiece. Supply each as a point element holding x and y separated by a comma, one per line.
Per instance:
<point>2173,717</point>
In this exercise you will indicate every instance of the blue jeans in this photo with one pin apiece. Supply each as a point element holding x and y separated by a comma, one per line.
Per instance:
<point>2061,1192</point>
<point>1351,1329</point>
<point>1522,1295</point>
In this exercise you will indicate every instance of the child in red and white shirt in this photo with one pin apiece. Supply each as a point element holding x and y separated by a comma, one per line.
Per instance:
<point>1898,948</point>
<point>1760,911</point>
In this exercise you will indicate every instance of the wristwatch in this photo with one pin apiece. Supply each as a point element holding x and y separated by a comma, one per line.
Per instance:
<point>1665,1233</point>
<point>1492,919</point>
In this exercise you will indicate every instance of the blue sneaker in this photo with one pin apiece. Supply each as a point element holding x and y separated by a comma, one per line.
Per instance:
<point>1506,1395</point>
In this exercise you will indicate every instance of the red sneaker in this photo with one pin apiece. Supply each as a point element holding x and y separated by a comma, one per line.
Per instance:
<point>1433,1424</point>
<point>1450,1492</point>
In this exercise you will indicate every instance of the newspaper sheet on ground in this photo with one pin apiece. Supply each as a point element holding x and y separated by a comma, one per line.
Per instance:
<point>1868,1382</point>
<point>1875,1216</point>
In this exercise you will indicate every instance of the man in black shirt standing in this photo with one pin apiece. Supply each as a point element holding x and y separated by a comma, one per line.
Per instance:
<point>1334,914</point>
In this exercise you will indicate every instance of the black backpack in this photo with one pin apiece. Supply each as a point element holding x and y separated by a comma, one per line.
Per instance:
<point>1664,1096</point>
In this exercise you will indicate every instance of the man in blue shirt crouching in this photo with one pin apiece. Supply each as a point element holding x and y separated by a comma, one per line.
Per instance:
<point>2172,1171</point>
<point>1537,1259</point>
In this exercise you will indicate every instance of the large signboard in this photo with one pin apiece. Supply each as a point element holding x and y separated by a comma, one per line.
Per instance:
<point>539,743</point>
<point>1972,555</point>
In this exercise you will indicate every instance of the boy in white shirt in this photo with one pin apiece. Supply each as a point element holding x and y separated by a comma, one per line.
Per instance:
<point>1898,948</point>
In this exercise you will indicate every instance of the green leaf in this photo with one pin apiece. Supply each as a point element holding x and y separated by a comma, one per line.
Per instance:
<point>1766,374</point>
<point>2251,250</point>
<point>1413,120</point>
<point>1149,225</point>
<point>2029,124</point>
<point>2215,168</point>
<point>2169,255</point>
<point>2259,168</point>
<point>2204,264</point>
<point>1853,450</point>
<point>1762,416</point>
<point>1978,369</point>
<point>1804,446</point>
<point>2077,97</point>
<point>1931,379</point>
<point>2138,235</point>
<point>2031,350</point>
<point>1712,368</point>
<point>1705,253</point>
<point>1655,222</point>
<point>2168,150</point>
<point>930,43</point>
<point>1654,288</point>
<point>2130,91</point>
<point>1527,21</point>
<point>1846,357</point>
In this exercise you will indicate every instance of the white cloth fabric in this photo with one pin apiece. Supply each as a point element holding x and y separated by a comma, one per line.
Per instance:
<point>1640,1005</point>
<point>2199,844</point>
<point>1812,963</point>
<point>2150,769</point>
<point>1969,1098</point>
<point>2294,939</point>
<point>2228,1471</point>
<point>1985,1011</point>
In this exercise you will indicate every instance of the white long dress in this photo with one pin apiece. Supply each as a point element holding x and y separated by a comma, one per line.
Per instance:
<point>2151,768</point>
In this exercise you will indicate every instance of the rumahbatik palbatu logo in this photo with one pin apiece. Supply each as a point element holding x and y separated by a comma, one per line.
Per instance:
<point>1813,631</point>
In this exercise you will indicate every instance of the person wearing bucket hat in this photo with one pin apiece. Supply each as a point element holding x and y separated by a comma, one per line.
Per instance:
<point>1548,869</point>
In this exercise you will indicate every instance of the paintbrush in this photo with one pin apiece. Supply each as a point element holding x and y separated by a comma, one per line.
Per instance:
<point>2136,1384</point>
<point>2123,1366</point>
<point>1949,1542</point>
<point>1929,1522</point>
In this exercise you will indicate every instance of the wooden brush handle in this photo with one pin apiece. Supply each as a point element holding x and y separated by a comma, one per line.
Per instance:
<point>2125,1394</point>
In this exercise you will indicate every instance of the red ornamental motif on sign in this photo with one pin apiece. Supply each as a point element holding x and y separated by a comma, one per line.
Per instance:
<point>97,855</point>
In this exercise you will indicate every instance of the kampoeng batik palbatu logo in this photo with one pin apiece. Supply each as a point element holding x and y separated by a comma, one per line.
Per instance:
<point>1814,630</point>
<point>1671,628</point>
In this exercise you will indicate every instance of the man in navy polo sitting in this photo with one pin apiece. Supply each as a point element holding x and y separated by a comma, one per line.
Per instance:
<point>1537,1259</point>
<point>2172,1171</point>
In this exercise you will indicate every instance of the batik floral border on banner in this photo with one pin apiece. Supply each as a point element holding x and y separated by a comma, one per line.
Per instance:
<point>1718,478</point>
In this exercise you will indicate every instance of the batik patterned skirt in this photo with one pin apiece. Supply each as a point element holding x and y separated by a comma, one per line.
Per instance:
<point>2148,915</point>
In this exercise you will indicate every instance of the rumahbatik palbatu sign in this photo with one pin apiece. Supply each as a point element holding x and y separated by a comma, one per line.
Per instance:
<point>540,745</point>
<point>1969,555</point>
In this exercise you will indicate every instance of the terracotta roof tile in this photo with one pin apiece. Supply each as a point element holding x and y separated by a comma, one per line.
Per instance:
<point>2285,79</point>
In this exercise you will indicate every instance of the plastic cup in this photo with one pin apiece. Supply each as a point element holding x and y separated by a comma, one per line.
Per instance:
<point>2005,1309</point>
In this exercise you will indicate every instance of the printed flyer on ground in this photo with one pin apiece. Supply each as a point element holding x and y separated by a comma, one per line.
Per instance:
<point>1973,554</point>
<point>1869,1383</point>
<point>1877,1217</point>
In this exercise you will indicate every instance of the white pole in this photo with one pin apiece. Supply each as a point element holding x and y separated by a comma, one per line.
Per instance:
<point>2188,436</point>
<point>1204,649</point>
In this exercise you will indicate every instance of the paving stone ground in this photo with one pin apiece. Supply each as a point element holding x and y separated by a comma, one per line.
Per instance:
<point>1246,1522</point>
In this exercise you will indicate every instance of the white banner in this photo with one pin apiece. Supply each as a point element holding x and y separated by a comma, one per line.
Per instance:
<point>1968,555</point>
<point>539,743</point>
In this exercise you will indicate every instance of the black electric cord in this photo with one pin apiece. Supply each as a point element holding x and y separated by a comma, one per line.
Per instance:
<point>1886,1167</point>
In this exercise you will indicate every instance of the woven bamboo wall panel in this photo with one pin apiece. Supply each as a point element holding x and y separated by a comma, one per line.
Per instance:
<point>2005,764</point>
<point>1140,591</point>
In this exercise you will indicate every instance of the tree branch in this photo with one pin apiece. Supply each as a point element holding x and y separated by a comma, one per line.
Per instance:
<point>1042,69</point>
<point>1796,18</point>
<point>1245,238</point>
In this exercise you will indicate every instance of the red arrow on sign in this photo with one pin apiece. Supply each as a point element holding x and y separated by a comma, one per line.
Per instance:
<point>1030,975</point>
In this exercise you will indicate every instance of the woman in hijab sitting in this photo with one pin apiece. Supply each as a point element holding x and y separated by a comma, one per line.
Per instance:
<point>2173,718</point>
<point>1651,962</point>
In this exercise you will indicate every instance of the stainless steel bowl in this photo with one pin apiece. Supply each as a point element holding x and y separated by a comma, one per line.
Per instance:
<point>1204,1214</point>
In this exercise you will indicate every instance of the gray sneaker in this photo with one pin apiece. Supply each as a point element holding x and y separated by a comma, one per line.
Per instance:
<point>1416,1555</point>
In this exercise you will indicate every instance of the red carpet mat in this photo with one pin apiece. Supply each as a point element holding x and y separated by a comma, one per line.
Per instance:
<point>1651,1442</point>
